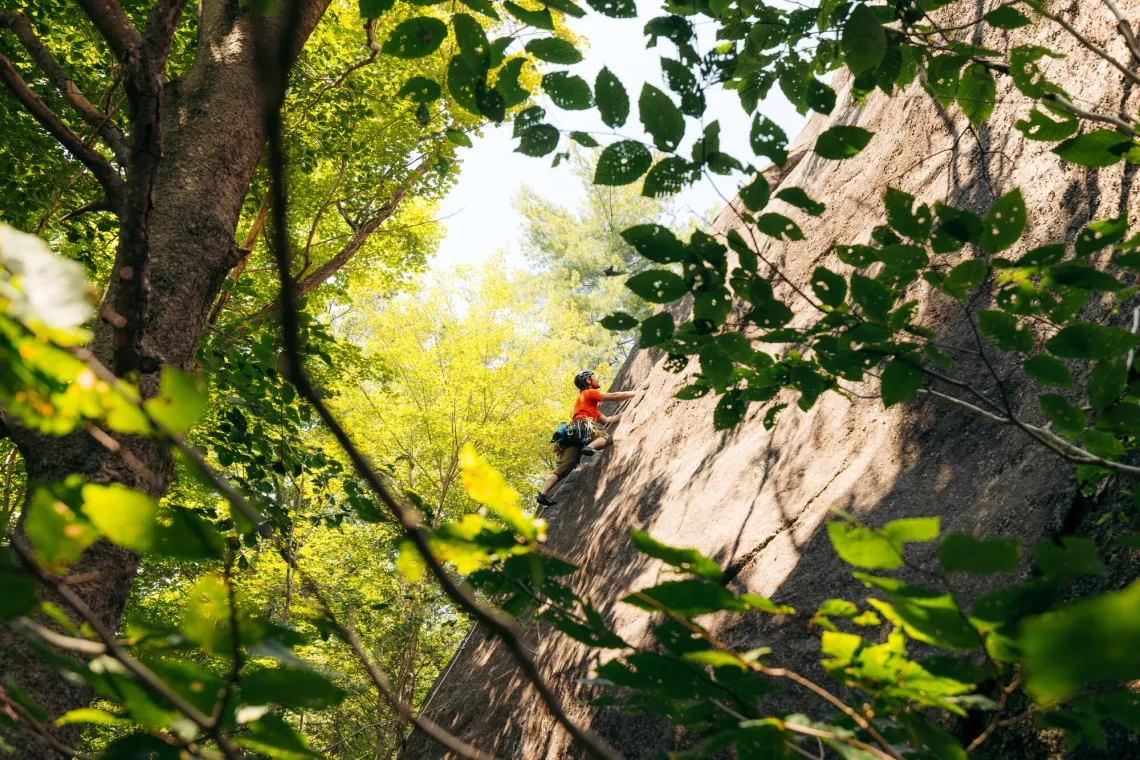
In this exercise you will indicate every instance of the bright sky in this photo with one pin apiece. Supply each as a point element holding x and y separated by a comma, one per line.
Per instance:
<point>480,219</point>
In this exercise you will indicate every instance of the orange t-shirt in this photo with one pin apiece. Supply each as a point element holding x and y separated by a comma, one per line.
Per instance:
<point>586,405</point>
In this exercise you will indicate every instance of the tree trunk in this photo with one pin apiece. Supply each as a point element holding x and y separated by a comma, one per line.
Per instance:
<point>211,141</point>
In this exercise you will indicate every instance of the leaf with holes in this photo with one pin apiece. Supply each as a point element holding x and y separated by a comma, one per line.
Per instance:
<point>661,118</point>
<point>1101,234</point>
<point>613,102</point>
<point>615,8</point>
<point>622,163</point>
<point>913,224</point>
<point>1041,127</point>
<point>829,288</point>
<point>1099,148</point>
<point>1063,415</point>
<point>668,177</point>
<point>767,139</point>
<point>842,142</point>
<point>482,6</point>
<point>819,96</point>
<point>538,140</point>
<point>657,286</point>
<point>554,50</point>
<point>779,227</point>
<point>657,329</point>
<point>619,320</point>
<point>1004,331</point>
<point>1004,223</point>
<point>874,298</point>
<point>540,19</point>
<point>420,90</point>
<point>568,91</point>
<point>729,411</point>
<point>507,84</point>
<point>415,38</point>
<point>756,193</point>
<point>798,198</point>
<point>656,243</point>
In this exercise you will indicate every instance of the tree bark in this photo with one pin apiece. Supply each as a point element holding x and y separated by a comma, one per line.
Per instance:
<point>195,145</point>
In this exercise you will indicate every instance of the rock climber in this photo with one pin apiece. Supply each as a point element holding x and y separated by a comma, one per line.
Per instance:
<point>590,437</point>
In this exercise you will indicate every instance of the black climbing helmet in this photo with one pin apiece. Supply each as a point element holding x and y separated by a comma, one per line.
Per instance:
<point>581,378</point>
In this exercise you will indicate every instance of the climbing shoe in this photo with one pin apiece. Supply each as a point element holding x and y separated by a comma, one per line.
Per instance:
<point>588,452</point>
<point>545,500</point>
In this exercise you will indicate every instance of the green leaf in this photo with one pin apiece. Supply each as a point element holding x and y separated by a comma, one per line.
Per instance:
<point>472,40</point>
<point>482,6</point>
<point>92,717</point>
<point>615,8</point>
<point>842,142</point>
<point>622,163</point>
<point>913,529</point>
<point>913,224</point>
<point>54,524</point>
<point>729,411</point>
<point>619,320</point>
<point>123,515</point>
<point>656,243</point>
<point>864,547</point>
<point>507,84</point>
<point>873,297</point>
<point>1048,371</point>
<point>819,97</point>
<point>1106,383</point>
<point>1082,644</point>
<point>1101,234</point>
<point>137,746</point>
<point>1040,127</point>
<point>956,228</point>
<point>942,77</point>
<point>961,552</point>
<point>756,193</point>
<point>1078,274</point>
<point>568,91</point>
<point>661,118</point>
<point>689,560</point>
<point>767,139</point>
<point>19,597</point>
<point>779,227</point>
<point>668,176</point>
<point>864,43</point>
<point>1026,73</point>
<point>1004,331</point>
<point>1068,558</point>
<point>925,614</point>
<point>1006,17</point>
<point>1084,340</point>
<point>829,288</point>
<point>540,19</point>
<point>657,329</point>
<point>796,196</point>
<point>657,286</point>
<point>901,380</point>
<point>272,736</point>
<point>1064,416</point>
<point>375,8</point>
<point>1101,147</point>
<point>584,139</point>
<point>688,598</point>
<point>1004,223</point>
<point>977,93</point>
<point>538,140</point>
<point>613,102</point>
<point>295,688</point>
<point>415,37</point>
<point>554,50</point>
<point>181,400</point>
<point>420,90</point>
<point>459,138</point>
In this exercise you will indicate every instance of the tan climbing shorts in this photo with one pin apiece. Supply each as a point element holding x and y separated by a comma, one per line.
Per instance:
<point>570,456</point>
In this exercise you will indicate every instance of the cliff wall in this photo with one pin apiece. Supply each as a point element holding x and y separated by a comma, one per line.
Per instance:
<point>757,500</point>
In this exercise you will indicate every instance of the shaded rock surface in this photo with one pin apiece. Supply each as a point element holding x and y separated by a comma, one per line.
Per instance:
<point>757,500</point>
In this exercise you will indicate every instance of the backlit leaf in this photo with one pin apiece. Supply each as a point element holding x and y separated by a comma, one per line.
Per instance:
<point>841,142</point>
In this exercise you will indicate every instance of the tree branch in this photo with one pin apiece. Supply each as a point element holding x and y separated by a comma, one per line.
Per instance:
<point>95,161</point>
<point>113,24</point>
<point>102,123</point>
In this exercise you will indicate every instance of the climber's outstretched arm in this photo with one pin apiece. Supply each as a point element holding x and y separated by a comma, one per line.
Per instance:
<point>620,396</point>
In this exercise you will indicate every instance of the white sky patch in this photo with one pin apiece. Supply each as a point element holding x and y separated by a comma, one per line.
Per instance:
<point>478,214</point>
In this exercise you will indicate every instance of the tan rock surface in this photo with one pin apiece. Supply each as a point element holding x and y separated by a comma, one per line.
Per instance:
<point>756,500</point>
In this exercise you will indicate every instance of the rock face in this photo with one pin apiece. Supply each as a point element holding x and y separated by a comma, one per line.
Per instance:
<point>757,500</point>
